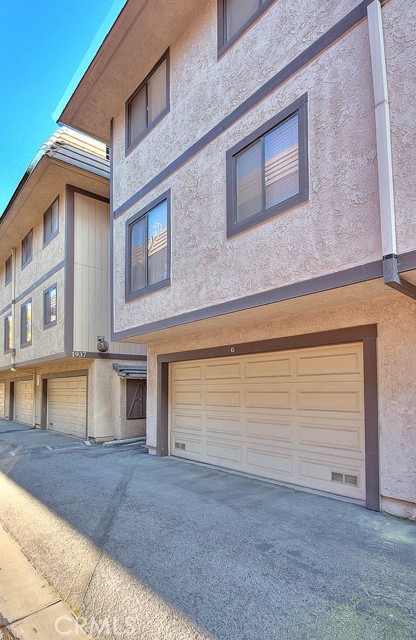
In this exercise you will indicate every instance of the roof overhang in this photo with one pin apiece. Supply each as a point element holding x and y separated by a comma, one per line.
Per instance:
<point>131,371</point>
<point>141,34</point>
<point>36,192</point>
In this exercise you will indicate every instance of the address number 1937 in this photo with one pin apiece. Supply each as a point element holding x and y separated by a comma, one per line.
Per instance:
<point>79,354</point>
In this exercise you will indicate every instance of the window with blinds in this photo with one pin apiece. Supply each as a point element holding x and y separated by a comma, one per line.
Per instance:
<point>51,222</point>
<point>148,234</point>
<point>8,332</point>
<point>235,17</point>
<point>268,170</point>
<point>50,307</point>
<point>148,103</point>
<point>26,324</point>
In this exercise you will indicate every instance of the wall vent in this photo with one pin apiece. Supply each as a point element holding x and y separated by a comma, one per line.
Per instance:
<point>180,445</point>
<point>346,478</point>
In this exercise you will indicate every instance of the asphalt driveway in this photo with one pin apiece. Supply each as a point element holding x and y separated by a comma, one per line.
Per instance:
<point>150,548</point>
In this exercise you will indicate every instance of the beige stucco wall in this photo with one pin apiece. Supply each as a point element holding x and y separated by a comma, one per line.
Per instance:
<point>396,353</point>
<point>339,226</point>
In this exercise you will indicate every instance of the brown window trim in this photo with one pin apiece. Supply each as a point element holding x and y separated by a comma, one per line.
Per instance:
<point>134,295</point>
<point>129,146</point>
<point>5,332</point>
<point>7,280</point>
<point>47,325</point>
<point>300,106</point>
<point>224,45</point>
<point>28,343</point>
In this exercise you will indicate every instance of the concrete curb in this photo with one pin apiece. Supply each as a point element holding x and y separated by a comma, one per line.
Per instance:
<point>29,608</point>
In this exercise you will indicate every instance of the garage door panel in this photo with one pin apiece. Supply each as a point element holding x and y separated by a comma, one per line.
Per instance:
<point>268,398</point>
<point>223,424</point>
<point>272,367</point>
<point>2,399</point>
<point>347,438</point>
<point>340,399</point>
<point>261,461</point>
<point>269,430</point>
<point>221,451</point>
<point>223,398</point>
<point>330,364</point>
<point>294,416</point>
<point>223,371</point>
<point>186,421</point>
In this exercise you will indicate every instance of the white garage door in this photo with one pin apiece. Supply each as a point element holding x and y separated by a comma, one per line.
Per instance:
<point>67,405</point>
<point>2,399</point>
<point>294,416</point>
<point>23,402</point>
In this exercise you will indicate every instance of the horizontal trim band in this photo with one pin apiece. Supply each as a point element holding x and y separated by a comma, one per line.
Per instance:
<point>113,356</point>
<point>29,363</point>
<point>323,42</point>
<point>354,275</point>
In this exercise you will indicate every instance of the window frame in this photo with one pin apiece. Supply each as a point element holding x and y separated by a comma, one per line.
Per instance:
<point>129,146</point>
<point>22,306</point>
<point>53,235</point>
<point>24,263</point>
<point>134,295</point>
<point>222,44</point>
<point>6,279</point>
<point>47,325</point>
<point>300,106</point>
<point>6,332</point>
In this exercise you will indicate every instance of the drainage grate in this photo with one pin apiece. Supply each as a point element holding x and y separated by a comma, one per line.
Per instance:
<point>346,478</point>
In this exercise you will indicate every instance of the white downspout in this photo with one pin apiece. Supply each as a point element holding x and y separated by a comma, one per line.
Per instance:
<point>13,341</point>
<point>384,154</point>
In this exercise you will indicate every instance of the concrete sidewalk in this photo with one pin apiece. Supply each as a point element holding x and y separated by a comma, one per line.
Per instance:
<point>18,438</point>
<point>29,608</point>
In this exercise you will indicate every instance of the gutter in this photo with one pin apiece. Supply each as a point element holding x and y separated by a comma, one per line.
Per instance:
<point>391,274</point>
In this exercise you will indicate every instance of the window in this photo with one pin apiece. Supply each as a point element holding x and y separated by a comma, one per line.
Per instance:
<point>27,248</point>
<point>8,336</point>
<point>235,17</point>
<point>267,173</point>
<point>8,270</point>
<point>135,399</point>
<point>148,104</point>
<point>148,260</point>
<point>50,308</point>
<point>26,324</point>
<point>51,222</point>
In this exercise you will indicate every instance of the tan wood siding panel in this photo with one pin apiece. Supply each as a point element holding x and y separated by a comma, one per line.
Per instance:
<point>295,416</point>
<point>67,405</point>
<point>23,401</point>
<point>92,277</point>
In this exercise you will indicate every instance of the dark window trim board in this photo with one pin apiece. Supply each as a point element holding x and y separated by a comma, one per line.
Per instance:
<point>128,148</point>
<point>9,349</point>
<point>54,233</point>
<point>134,295</point>
<point>23,263</point>
<point>340,29</point>
<point>222,44</point>
<point>8,280</point>
<point>366,334</point>
<point>299,107</point>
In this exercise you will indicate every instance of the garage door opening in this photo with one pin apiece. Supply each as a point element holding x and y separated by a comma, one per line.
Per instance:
<point>23,399</point>
<point>305,414</point>
<point>66,405</point>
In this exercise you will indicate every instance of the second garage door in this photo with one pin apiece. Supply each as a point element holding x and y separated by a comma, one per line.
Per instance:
<point>2,399</point>
<point>23,401</point>
<point>67,405</point>
<point>294,416</point>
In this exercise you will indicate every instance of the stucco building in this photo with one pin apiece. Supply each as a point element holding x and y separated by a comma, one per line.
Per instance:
<point>263,233</point>
<point>54,300</point>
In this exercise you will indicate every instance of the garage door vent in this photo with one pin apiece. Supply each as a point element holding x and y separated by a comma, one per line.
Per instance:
<point>180,445</point>
<point>344,478</point>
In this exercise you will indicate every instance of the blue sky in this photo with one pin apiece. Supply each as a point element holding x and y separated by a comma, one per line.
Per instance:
<point>43,45</point>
